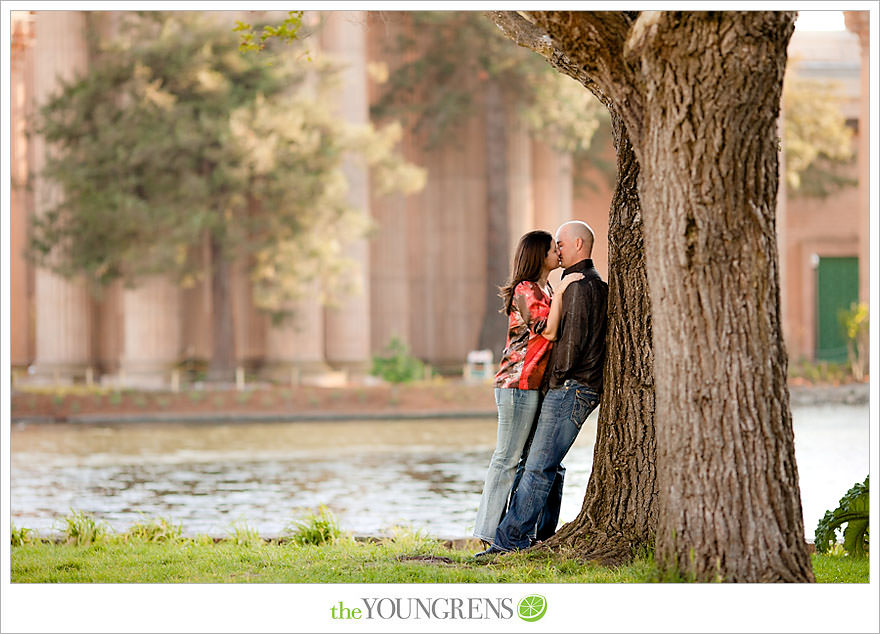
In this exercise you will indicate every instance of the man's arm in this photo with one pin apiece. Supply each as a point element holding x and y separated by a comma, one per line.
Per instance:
<point>573,329</point>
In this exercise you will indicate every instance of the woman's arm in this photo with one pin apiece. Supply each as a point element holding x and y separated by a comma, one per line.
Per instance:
<point>550,330</point>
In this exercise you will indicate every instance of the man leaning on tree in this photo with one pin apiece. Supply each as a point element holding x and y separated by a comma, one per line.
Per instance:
<point>574,387</point>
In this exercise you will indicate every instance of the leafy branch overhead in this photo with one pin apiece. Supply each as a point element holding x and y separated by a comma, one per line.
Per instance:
<point>287,31</point>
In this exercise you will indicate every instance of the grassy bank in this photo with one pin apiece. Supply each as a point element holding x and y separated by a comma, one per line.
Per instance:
<point>406,558</point>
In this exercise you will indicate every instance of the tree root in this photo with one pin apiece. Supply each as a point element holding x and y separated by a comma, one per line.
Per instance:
<point>607,550</point>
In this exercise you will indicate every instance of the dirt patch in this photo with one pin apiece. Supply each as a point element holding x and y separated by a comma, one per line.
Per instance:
<point>425,559</point>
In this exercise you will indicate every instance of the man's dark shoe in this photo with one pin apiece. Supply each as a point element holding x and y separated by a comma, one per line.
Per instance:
<point>492,550</point>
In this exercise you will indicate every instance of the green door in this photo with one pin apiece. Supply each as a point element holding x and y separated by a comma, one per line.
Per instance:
<point>837,287</point>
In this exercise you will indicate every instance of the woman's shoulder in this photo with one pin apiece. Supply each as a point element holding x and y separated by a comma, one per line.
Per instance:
<point>530,289</point>
<point>527,288</point>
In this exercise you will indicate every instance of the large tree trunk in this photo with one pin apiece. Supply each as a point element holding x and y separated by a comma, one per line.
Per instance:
<point>222,330</point>
<point>619,514</point>
<point>699,93</point>
<point>493,333</point>
<point>729,500</point>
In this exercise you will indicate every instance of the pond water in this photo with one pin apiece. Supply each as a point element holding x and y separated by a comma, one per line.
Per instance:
<point>374,476</point>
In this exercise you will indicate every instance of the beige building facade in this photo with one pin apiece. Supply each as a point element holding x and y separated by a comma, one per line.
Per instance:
<point>423,268</point>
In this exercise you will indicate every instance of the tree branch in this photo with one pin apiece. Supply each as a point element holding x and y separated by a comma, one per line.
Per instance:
<point>515,27</point>
<point>587,46</point>
<point>528,35</point>
<point>594,41</point>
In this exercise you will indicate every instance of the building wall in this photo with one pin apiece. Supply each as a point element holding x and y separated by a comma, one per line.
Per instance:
<point>823,227</point>
<point>424,265</point>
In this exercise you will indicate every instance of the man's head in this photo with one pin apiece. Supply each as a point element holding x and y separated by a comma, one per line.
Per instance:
<point>574,239</point>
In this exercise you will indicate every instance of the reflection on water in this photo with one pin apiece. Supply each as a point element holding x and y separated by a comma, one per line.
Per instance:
<point>372,475</point>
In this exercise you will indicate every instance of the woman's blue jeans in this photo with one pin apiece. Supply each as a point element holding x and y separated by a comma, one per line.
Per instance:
<point>516,416</point>
<point>563,413</point>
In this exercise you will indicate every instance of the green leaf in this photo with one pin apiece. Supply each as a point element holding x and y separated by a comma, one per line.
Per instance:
<point>852,511</point>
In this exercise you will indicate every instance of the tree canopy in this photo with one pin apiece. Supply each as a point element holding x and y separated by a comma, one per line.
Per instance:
<point>175,137</point>
<point>816,139</point>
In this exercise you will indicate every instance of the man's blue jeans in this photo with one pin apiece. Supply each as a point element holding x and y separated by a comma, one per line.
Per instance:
<point>563,413</point>
<point>548,518</point>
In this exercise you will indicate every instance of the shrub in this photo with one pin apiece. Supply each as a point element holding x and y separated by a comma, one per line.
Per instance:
<point>243,535</point>
<point>852,511</point>
<point>397,365</point>
<point>21,536</point>
<point>157,530</point>
<point>855,325</point>
<point>315,529</point>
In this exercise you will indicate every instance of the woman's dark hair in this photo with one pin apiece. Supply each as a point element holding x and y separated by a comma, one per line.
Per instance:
<point>527,263</point>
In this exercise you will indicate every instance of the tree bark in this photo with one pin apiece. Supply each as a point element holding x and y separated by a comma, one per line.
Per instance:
<point>699,94</point>
<point>493,333</point>
<point>222,364</point>
<point>619,513</point>
<point>729,499</point>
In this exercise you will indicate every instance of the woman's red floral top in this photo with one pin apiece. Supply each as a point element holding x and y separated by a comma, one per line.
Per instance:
<point>525,356</point>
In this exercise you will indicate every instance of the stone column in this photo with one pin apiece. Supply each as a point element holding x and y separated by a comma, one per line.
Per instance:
<point>519,161</point>
<point>63,308</point>
<point>347,327</point>
<point>553,191</point>
<point>21,201</point>
<point>151,333</point>
<point>295,347</point>
<point>553,186</point>
<point>858,23</point>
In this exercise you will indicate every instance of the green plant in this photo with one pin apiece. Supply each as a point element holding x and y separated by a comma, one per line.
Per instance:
<point>193,369</point>
<point>855,325</point>
<point>852,511</point>
<point>315,529</point>
<point>241,534</point>
<point>81,529</point>
<point>157,530</point>
<point>21,536</point>
<point>397,365</point>
<point>820,371</point>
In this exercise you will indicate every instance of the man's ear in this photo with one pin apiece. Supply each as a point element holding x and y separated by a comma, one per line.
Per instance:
<point>579,243</point>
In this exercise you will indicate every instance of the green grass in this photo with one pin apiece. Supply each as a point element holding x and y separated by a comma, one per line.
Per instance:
<point>840,569</point>
<point>403,558</point>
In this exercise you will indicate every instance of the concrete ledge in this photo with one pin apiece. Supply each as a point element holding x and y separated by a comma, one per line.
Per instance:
<point>210,417</point>
<point>850,394</point>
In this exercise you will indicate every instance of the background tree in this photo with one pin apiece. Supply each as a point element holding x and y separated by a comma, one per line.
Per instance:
<point>455,61</point>
<point>816,139</point>
<point>699,93</point>
<point>175,142</point>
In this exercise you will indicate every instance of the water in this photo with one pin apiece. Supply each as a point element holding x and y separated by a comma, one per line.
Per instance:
<point>373,475</point>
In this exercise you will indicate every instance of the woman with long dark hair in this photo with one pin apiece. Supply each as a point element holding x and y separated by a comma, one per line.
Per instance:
<point>533,320</point>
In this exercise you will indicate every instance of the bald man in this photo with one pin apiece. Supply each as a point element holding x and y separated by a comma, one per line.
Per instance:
<point>574,385</point>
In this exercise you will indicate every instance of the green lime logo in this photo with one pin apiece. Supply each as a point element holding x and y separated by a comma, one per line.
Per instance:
<point>532,608</point>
